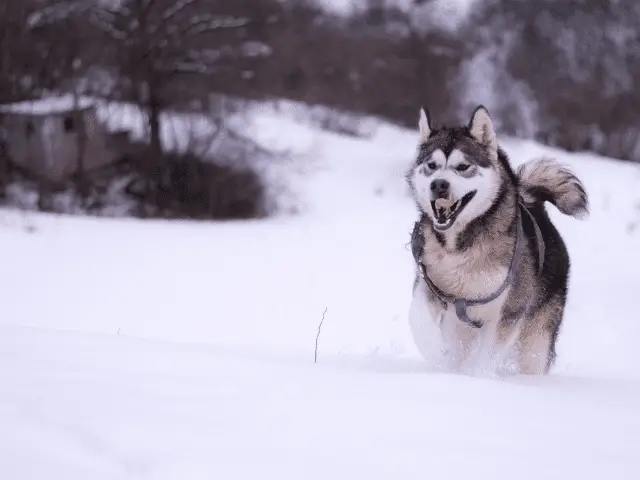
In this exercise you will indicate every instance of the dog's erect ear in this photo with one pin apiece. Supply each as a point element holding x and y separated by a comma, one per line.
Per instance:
<point>425,125</point>
<point>481,128</point>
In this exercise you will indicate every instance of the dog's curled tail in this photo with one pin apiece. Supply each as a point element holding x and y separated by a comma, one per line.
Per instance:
<point>545,180</point>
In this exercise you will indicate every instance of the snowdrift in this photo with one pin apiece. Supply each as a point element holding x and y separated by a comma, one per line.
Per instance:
<point>181,350</point>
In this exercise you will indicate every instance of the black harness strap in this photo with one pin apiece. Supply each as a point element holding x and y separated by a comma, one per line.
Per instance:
<point>539,238</point>
<point>461,304</point>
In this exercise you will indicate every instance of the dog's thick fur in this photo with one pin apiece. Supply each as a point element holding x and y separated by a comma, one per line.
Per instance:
<point>471,258</point>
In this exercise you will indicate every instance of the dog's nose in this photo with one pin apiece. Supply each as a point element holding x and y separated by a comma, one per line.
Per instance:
<point>439,188</point>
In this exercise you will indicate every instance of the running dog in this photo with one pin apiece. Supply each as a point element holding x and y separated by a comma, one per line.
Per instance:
<point>491,268</point>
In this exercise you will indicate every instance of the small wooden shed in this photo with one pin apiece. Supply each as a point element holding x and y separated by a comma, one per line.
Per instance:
<point>53,138</point>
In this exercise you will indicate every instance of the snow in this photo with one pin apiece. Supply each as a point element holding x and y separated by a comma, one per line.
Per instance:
<point>181,350</point>
<point>445,13</point>
<point>48,106</point>
<point>104,407</point>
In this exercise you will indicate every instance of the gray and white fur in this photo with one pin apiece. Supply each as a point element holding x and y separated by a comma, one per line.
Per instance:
<point>470,201</point>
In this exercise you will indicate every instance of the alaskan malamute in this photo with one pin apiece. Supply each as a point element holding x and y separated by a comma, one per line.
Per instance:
<point>491,268</point>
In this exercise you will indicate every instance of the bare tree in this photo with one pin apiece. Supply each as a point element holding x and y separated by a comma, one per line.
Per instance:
<point>166,51</point>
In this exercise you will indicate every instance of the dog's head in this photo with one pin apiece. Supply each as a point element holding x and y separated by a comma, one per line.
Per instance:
<point>458,174</point>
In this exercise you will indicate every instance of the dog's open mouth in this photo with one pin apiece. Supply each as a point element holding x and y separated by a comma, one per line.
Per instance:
<point>446,210</point>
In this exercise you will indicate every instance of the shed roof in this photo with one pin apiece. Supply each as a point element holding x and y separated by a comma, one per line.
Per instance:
<point>48,106</point>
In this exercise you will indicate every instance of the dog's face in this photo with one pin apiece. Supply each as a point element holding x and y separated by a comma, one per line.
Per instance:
<point>456,176</point>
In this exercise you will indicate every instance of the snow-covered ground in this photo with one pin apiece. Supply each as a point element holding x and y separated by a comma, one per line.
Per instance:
<point>453,7</point>
<point>185,351</point>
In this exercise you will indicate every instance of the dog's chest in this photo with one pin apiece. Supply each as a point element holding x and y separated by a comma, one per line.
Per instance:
<point>470,274</point>
<point>488,314</point>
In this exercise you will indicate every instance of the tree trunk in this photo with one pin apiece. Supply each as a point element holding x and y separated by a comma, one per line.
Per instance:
<point>81,144</point>
<point>154,156</point>
<point>416,47</point>
<point>154,125</point>
<point>4,167</point>
<point>45,196</point>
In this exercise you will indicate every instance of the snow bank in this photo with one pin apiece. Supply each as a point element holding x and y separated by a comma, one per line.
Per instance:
<point>174,350</point>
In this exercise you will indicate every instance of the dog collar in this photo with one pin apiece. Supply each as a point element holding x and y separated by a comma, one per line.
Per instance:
<point>461,304</point>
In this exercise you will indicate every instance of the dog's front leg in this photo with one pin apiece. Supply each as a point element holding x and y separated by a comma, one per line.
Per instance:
<point>458,339</point>
<point>425,315</point>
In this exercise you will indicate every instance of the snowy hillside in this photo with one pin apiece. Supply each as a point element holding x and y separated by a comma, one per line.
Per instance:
<point>154,350</point>
<point>447,13</point>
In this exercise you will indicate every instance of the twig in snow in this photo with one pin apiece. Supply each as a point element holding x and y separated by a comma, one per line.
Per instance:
<point>315,356</point>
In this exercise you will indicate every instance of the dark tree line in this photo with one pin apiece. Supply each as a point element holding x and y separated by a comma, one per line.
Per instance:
<point>578,61</point>
<point>169,53</point>
<point>561,72</point>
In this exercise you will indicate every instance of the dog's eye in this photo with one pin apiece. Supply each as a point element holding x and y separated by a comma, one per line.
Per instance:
<point>462,167</point>
<point>431,165</point>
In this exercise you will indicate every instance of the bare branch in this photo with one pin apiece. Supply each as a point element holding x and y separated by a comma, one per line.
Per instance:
<point>177,8</point>
<point>209,23</point>
<point>315,357</point>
